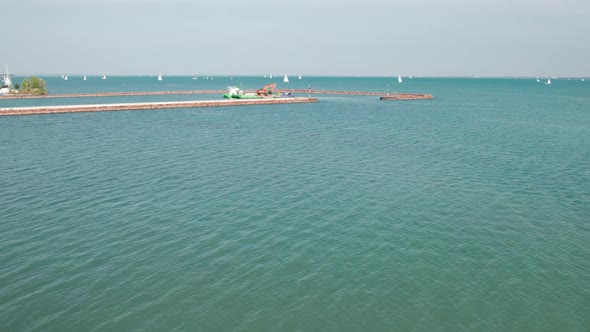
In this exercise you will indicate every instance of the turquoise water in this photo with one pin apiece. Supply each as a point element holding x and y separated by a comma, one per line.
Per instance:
<point>467,212</point>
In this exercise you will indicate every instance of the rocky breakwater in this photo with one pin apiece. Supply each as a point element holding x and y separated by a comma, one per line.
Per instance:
<point>406,96</point>
<point>149,106</point>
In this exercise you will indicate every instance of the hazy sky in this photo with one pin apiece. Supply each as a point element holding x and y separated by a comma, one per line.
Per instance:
<point>308,37</point>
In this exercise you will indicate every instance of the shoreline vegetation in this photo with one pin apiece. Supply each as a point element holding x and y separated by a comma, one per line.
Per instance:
<point>33,86</point>
<point>30,87</point>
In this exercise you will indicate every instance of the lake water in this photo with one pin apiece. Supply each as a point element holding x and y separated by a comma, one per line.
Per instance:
<point>470,211</point>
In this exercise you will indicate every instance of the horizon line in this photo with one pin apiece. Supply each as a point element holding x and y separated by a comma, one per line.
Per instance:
<point>309,75</point>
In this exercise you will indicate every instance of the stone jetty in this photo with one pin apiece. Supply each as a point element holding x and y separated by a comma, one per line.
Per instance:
<point>150,106</point>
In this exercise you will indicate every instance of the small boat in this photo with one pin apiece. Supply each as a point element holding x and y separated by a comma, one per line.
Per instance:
<point>285,79</point>
<point>84,78</point>
<point>6,87</point>
<point>104,77</point>
<point>399,78</point>
<point>299,76</point>
<point>160,77</point>
<point>270,76</point>
<point>538,79</point>
<point>65,77</point>
<point>548,81</point>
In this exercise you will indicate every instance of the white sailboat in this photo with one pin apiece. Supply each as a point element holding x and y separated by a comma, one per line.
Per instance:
<point>399,78</point>
<point>65,77</point>
<point>299,76</point>
<point>7,87</point>
<point>548,81</point>
<point>285,79</point>
<point>104,77</point>
<point>6,79</point>
<point>538,79</point>
<point>84,78</point>
<point>159,77</point>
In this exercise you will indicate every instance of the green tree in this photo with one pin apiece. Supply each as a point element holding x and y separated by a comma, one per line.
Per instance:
<point>33,85</point>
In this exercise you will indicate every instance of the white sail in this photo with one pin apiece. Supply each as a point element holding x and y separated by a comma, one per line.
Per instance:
<point>160,77</point>
<point>285,79</point>
<point>548,81</point>
<point>84,78</point>
<point>270,75</point>
<point>299,76</point>
<point>399,78</point>
<point>65,77</point>
<point>7,81</point>
<point>538,79</point>
<point>104,77</point>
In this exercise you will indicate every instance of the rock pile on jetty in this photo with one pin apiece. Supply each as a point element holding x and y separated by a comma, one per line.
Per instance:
<point>406,96</point>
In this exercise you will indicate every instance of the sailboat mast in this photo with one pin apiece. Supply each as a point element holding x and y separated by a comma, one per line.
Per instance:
<point>7,79</point>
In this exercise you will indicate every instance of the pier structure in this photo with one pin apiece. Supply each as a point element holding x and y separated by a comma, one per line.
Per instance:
<point>185,104</point>
<point>150,105</point>
<point>399,96</point>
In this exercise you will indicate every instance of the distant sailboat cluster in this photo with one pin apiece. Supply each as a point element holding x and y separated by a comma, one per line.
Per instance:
<point>285,78</point>
<point>84,77</point>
